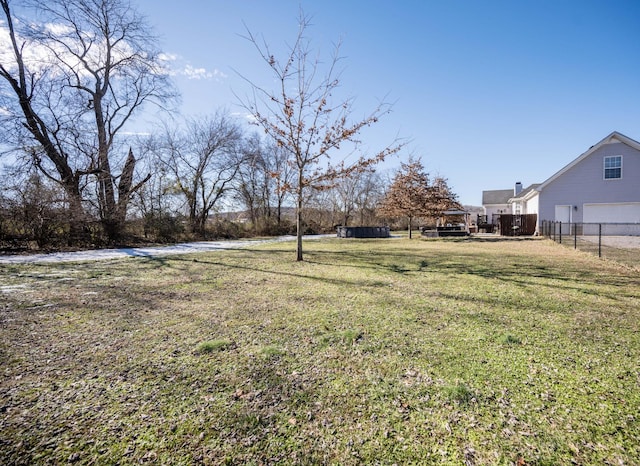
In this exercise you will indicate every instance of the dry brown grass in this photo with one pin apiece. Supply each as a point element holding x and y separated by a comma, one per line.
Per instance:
<point>462,351</point>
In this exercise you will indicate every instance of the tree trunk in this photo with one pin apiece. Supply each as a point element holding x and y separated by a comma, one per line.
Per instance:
<point>410,227</point>
<point>279,212</point>
<point>126,188</point>
<point>299,224</point>
<point>77,223</point>
<point>202,222</point>
<point>106,191</point>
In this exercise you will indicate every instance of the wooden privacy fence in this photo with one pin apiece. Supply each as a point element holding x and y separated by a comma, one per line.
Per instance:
<point>518,225</point>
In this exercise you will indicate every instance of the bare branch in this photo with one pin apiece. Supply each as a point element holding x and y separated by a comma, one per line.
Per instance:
<point>97,67</point>
<point>301,117</point>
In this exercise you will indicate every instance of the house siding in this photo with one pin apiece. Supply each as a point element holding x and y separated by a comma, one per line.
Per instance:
<point>584,183</point>
<point>490,210</point>
<point>531,206</point>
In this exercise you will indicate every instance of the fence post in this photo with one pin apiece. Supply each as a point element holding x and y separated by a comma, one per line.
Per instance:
<point>560,233</point>
<point>599,239</point>
<point>575,236</point>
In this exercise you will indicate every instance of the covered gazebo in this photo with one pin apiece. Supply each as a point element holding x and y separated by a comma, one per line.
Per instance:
<point>446,224</point>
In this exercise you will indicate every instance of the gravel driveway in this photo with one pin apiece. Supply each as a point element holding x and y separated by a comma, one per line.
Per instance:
<point>103,254</point>
<point>622,242</point>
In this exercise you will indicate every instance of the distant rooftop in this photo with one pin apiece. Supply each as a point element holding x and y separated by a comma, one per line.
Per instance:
<point>498,196</point>
<point>527,190</point>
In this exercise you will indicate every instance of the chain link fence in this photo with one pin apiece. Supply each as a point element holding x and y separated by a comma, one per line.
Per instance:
<point>619,242</point>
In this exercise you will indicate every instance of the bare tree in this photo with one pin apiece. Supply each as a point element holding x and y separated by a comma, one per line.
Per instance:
<point>76,77</point>
<point>264,183</point>
<point>357,197</point>
<point>344,198</point>
<point>322,211</point>
<point>204,158</point>
<point>254,184</point>
<point>301,118</point>
<point>282,172</point>
<point>31,207</point>
<point>158,203</point>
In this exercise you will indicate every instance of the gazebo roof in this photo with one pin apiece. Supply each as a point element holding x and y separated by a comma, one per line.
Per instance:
<point>455,212</point>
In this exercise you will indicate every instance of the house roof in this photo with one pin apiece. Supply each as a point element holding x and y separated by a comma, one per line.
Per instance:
<point>526,192</point>
<point>498,196</point>
<point>611,138</point>
<point>506,196</point>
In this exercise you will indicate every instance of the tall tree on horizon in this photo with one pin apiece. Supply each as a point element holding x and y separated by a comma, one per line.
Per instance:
<point>74,75</point>
<point>203,157</point>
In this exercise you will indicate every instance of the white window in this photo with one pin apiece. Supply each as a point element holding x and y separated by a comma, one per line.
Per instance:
<point>613,167</point>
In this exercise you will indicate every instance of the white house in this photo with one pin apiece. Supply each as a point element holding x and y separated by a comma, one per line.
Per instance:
<point>522,202</point>
<point>600,186</point>
<point>497,201</point>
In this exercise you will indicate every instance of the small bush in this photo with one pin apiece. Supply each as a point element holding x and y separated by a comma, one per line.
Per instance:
<point>350,337</point>
<point>459,393</point>
<point>225,229</point>
<point>163,227</point>
<point>508,339</point>
<point>270,227</point>
<point>213,345</point>
<point>272,350</point>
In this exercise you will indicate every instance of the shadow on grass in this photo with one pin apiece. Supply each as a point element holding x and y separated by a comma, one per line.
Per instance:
<point>398,261</point>
<point>167,262</point>
<point>513,269</point>
<point>390,263</point>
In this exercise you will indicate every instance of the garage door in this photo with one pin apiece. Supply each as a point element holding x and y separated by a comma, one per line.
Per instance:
<point>627,212</point>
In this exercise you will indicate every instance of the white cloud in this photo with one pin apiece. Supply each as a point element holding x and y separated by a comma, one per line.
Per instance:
<point>251,119</point>
<point>135,133</point>
<point>196,73</point>
<point>219,74</point>
<point>35,57</point>
<point>38,57</point>
<point>57,29</point>
<point>168,57</point>
<point>177,66</point>
<point>191,72</point>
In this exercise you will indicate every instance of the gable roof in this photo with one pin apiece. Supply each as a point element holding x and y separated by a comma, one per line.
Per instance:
<point>498,196</point>
<point>613,137</point>
<point>526,192</point>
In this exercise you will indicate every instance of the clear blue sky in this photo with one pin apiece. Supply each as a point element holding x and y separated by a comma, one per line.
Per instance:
<point>488,92</point>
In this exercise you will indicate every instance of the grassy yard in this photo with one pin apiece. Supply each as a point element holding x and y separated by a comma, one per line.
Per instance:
<point>371,351</point>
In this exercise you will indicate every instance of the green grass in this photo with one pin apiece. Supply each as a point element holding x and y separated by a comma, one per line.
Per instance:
<point>213,345</point>
<point>508,339</point>
<point>369,352</point>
